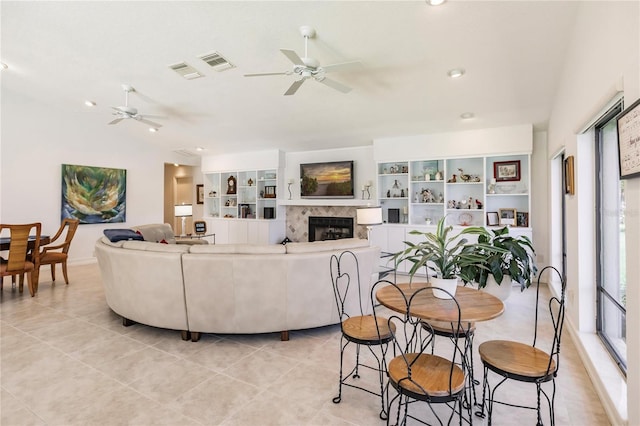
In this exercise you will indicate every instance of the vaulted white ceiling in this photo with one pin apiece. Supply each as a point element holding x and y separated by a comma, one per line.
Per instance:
<point>63,53</point>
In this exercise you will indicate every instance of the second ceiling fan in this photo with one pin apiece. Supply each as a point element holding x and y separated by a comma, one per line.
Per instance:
<point>307,67</point>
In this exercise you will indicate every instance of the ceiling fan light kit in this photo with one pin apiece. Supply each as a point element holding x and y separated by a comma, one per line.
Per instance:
<point>306,67</point>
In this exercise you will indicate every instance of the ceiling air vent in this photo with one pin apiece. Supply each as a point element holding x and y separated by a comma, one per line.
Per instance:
<point>186,70</point>
<point>216,61</point>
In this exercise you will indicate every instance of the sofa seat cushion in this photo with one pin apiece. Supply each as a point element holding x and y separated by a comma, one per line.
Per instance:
<point>327,245</point>
<point>239,249</point>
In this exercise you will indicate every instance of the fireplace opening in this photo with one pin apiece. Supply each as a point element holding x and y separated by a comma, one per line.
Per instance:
<point>330,228</point>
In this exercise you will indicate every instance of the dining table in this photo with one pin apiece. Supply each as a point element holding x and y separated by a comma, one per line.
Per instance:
<point>5,242</point>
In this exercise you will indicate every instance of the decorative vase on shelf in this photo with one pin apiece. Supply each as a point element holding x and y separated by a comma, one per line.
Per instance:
<point>395,189</point>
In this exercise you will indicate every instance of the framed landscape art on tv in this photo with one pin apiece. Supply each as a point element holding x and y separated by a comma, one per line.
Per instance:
<point>327,180</point>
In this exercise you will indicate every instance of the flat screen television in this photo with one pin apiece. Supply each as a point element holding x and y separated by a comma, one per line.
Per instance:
<point>327,180</point>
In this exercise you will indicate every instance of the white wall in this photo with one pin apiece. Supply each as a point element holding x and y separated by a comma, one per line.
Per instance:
<point>603,58</point>
<point>37,139</point>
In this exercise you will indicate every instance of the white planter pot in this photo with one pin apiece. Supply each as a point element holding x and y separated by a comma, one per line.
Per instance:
<point>448,284</point>
<point>502,291</point>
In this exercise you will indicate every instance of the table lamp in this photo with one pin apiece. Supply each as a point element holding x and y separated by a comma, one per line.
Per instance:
<point>183,211</point>
<point>369,216</point>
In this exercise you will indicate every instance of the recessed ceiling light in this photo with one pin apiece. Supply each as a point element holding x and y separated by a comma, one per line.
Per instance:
<point>153,129</point>
<point>466,115</point>
<point>199,148</point>
<point>90,103</point>
<point>3,65</point>
<point>176,164</point>
<point>435,2</point>
<point>456,73</point>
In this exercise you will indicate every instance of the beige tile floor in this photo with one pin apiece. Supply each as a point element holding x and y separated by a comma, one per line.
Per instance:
<point>67,360</point>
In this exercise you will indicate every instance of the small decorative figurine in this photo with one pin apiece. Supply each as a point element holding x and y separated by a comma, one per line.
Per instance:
<point>452,180</point>
<point>464,177</point>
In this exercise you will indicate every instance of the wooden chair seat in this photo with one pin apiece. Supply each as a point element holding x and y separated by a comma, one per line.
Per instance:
<point>428,372</point>
<point>362,329</point>
<point>442,328</point>
<point>517,359</point>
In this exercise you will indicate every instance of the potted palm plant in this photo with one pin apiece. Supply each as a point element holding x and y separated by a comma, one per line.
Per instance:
<point>446,254</point>
<point>511,259</point>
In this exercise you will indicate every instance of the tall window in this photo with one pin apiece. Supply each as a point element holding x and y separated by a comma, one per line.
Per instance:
<point>611,265</point>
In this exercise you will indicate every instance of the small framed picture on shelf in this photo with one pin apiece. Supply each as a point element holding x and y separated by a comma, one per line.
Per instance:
<point>507,217</point>
<point>522,219</point>
<point>199,194</point>
<point>269,191</point>
<point>493,219</point>
<point>504,171</point>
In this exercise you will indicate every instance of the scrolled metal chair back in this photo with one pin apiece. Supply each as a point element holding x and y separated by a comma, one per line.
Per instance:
<point>345,278</point>
<point>557,311</point>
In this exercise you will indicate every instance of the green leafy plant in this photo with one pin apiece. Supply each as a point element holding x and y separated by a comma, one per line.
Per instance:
<point>445,253</point>
<point>510,255</point>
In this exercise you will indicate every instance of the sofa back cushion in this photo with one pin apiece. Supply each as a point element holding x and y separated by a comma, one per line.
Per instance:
<point>327,245</point>
<point>156,232</point>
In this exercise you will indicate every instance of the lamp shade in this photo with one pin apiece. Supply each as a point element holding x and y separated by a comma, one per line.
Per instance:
<point>369,216</point>
<point>183,210</point>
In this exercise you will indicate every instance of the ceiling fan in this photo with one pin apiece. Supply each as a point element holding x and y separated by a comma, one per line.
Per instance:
<point>126,111</point>
<point>307,67</point>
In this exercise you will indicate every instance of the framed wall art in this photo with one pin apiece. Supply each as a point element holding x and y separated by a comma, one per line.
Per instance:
<point>93,194</point>
<point>199,194</point>
<point>629,141</point>
<point>569,179</point>
<point>504,171</point>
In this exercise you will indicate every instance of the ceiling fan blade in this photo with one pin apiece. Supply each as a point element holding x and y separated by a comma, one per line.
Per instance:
<point>293,57</point>
<point>162,117</point>
<point>116,121</point>
<point>343,66</point>
<point>294,87</point>
<point>267,73</point>
<point>149,122</point>
<point>335,85</point>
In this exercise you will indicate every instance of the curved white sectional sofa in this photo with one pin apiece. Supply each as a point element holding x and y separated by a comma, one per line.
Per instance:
<point>227,288</point>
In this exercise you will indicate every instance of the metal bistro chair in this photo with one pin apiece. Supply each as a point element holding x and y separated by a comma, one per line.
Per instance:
<point>523,362</point>
<point>356,326</point>
<point>420,376</point>
<point>19,262</point>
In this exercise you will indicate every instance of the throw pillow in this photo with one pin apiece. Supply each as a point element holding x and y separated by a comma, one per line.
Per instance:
<point>116,235</point>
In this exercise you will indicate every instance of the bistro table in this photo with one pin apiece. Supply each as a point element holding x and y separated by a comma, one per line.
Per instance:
<point>474,305</point>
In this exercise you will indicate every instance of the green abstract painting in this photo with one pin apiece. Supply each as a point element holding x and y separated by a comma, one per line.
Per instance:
<point>94,194</point>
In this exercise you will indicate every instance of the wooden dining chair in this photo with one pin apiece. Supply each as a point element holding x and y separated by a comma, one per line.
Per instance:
<point>21,260</point>
<point>523,362</point>
<point>57,251</point>
<point>418,375</point>
<point>357,327</point>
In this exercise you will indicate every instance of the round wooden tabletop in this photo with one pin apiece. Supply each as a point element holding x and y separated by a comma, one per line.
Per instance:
<point>475,305</point>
